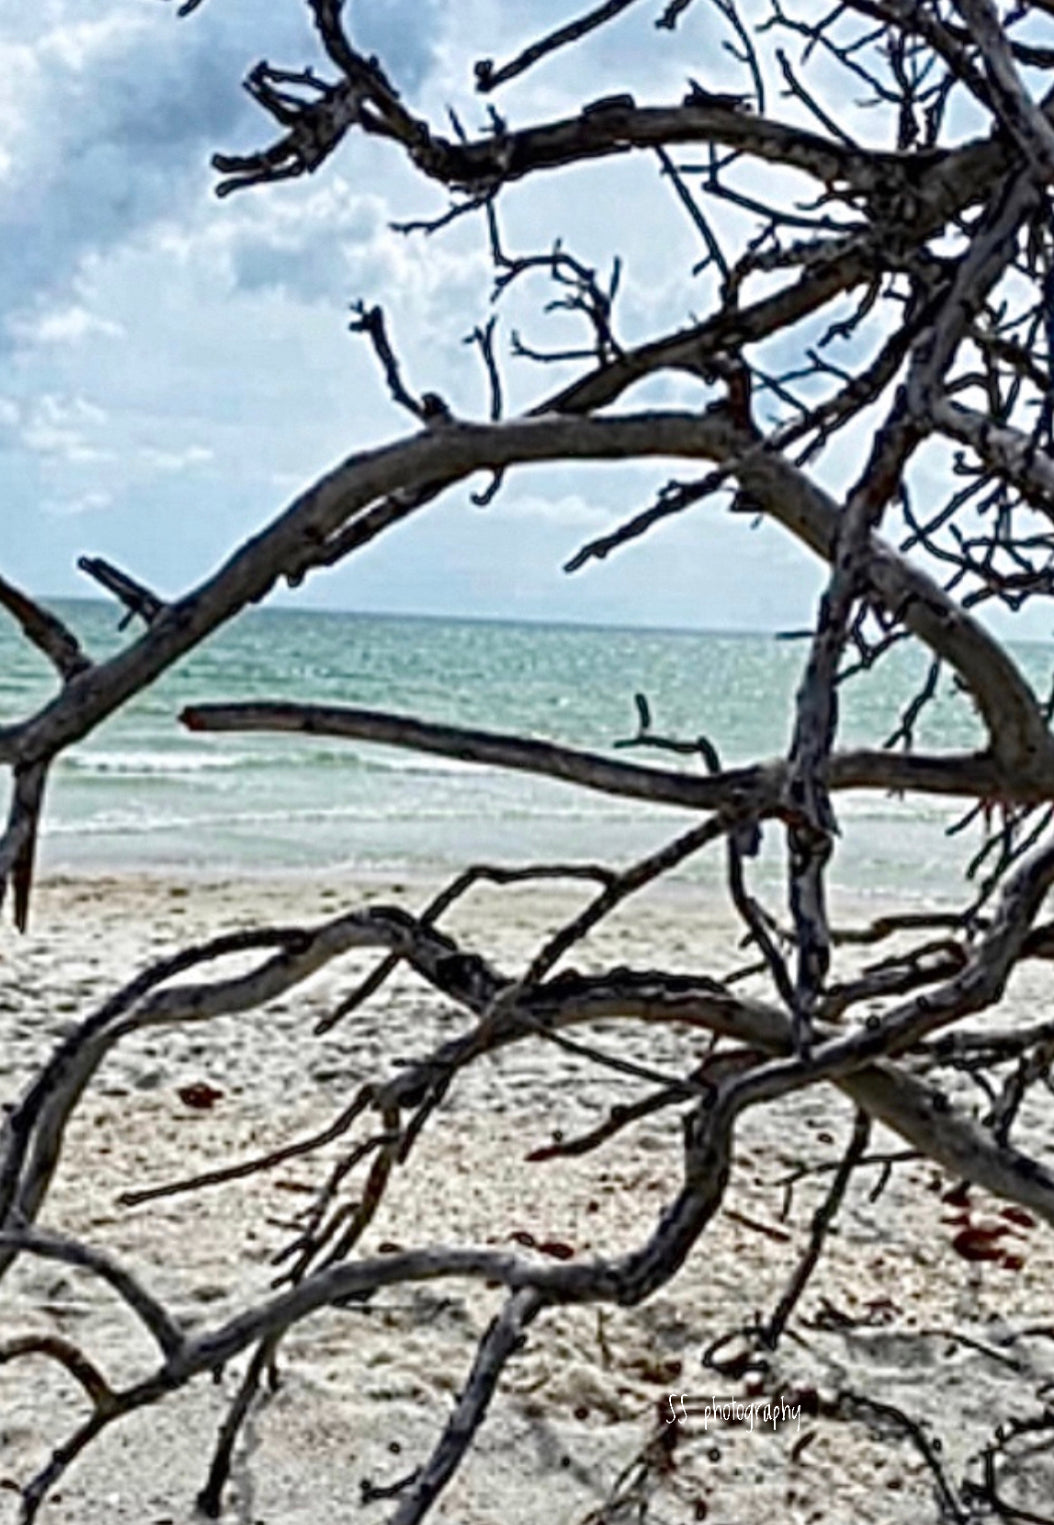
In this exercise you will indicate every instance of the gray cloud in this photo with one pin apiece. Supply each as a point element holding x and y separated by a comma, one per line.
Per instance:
<point>300,245</point>
<point>114,120</point>
<point>185,365</point>
<point>403,33</point>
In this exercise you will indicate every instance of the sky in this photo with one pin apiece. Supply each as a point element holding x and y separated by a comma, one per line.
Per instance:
<point>175,368</point>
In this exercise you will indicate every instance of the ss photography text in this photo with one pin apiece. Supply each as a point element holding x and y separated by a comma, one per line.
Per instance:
<point>764,1413</point>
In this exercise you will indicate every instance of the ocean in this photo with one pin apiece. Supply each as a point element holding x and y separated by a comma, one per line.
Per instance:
<point>143,794</point>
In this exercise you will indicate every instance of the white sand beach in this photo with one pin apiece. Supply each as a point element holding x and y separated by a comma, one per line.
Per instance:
<point>365,1390</point>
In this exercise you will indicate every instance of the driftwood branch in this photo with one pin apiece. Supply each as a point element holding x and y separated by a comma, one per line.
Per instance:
<point>136,597</point>
<point>904,310</point>
<point>755,789</point>
<point>45,630</point>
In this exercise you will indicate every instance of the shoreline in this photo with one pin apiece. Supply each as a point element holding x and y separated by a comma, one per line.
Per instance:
<point>709,894</point>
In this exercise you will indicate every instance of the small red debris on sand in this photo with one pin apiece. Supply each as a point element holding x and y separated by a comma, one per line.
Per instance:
<point>199,1095</point>
<point>979,1243</point>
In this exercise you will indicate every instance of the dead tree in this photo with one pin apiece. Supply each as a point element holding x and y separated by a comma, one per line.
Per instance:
<point>945,246</point>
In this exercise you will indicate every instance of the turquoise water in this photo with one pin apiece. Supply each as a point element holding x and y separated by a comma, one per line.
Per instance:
<point>142,793</point>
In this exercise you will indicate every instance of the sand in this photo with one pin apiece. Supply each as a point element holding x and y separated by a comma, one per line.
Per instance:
<point>364,1391</point>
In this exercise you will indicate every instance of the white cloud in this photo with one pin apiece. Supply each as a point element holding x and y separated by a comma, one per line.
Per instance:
<point>176,460</point>
<point>86,503</point>
<point>61,426</point>
<point>233,316</point>
<point>107,124</point>
<point>297,245</point>
<point>76,44</point>
<point>572,509</point>
<point>65,325</point>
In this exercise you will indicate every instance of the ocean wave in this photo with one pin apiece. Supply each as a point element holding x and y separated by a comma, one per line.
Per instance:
<point>151,764</point>
<point>160,764</point>
<point>139,822</point>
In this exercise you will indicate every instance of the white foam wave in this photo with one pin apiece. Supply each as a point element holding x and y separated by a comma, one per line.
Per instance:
<point>144,763</point>
<point>140,822</point>
<point>155,764</point>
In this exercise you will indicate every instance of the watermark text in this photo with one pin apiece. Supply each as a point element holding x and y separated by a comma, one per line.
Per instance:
<point>757,1413</point>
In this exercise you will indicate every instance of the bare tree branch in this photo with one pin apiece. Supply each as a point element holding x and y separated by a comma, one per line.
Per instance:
<point>45,631</point>
<point>904,309</point>
<point>489,78</point>
<point>136,597</point>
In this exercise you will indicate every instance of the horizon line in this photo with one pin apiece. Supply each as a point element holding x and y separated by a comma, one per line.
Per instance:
<point>562,622</point>
<point>782,634</point>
